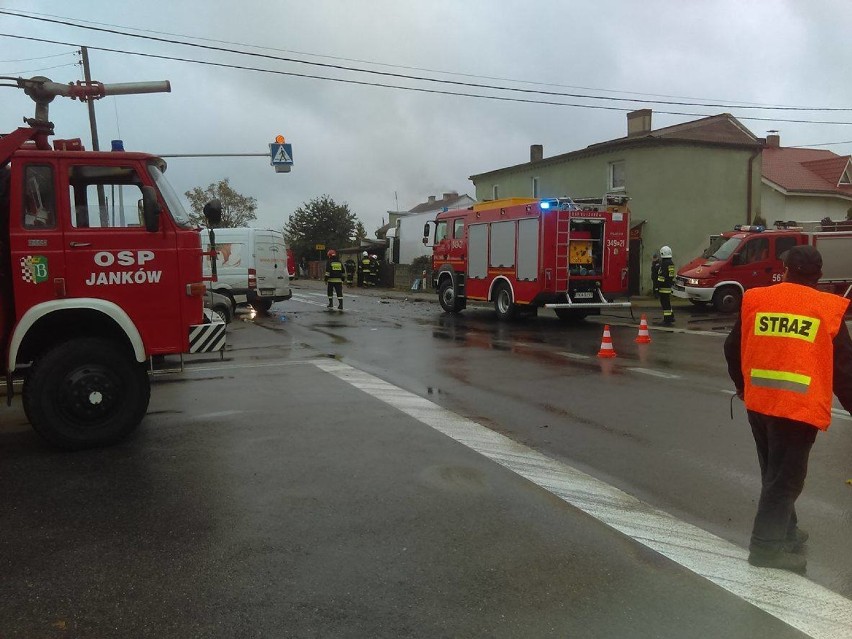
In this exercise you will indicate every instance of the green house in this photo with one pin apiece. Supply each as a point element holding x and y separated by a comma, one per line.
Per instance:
<point>685,183</point>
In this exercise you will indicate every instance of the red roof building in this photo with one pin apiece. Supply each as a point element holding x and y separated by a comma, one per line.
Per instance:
<point>804,184</point>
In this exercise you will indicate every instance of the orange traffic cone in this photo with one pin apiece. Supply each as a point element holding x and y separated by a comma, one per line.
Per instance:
<point>644,336</point>
<point>606,344</point>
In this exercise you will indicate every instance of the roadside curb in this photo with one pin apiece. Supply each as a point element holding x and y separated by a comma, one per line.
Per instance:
<point>429,295</point>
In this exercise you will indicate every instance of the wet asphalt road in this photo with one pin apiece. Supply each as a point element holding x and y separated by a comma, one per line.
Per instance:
<point>264,497</point>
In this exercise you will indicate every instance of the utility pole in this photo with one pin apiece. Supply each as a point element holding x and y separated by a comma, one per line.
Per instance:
<point>93,125</point>
<point>84,51</point>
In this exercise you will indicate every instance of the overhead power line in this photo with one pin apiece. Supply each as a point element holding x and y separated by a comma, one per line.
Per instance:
<point>808,146</point>
<point>29,71</point>
<point>399,87</point>
<point>43,57</point>
<point>473,85</point>
<point>407,67</point>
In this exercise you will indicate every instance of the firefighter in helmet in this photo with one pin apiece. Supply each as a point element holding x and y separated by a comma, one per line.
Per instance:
<point>374,269</point>
<point>334,275</point>
<point>665,278</point>
<point>365,267</point>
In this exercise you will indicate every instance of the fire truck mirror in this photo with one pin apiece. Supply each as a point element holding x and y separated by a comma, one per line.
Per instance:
<point>150,209</point>
<point>427,233</point>
<point>213,213</point>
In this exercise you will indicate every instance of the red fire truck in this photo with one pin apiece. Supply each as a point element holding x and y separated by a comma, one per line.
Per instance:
<point>522,254</point>
<point>750,256</point>
<point>100,270</point>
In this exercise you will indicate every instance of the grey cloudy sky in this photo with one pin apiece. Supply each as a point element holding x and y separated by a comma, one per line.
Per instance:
<point>363,144</point>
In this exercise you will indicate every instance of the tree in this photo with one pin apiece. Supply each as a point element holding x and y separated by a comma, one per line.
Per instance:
<point>237,210</point>
<point>322,221</point>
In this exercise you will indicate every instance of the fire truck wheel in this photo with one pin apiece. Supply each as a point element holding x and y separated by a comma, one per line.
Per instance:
<point>727,299</point>
<point>504,306</point>
<point>447,297</point>
<point>85,393</point>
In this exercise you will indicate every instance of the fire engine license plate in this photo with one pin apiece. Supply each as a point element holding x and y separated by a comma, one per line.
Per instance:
<point>583,295</point>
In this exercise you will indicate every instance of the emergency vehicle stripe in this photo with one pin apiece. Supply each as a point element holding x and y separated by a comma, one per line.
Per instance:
<point>206,338</point>
<point>781,380</point>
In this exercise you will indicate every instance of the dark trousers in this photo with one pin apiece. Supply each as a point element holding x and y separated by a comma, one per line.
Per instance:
<point>666,304</point>
<point>335,287</point>
<point>783,447</point>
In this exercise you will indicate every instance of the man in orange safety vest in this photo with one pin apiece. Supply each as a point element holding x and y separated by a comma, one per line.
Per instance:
<point>788,351</point>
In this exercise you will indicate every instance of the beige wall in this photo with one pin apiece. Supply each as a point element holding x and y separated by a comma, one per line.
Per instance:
<point>684,192</point>
<point>778,206</point>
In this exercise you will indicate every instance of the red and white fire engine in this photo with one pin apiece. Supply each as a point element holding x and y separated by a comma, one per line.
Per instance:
<point>522,254</point>
<point>100,270</point>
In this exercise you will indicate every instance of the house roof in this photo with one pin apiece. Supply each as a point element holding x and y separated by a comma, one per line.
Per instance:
<point>806,170</point>
<point>449,201</point>
<point>717,130</point>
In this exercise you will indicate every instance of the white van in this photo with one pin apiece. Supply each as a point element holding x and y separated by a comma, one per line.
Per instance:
<point>251,265</point>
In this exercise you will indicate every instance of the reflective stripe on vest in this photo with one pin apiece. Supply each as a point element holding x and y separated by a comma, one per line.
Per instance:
<point>780,379</point>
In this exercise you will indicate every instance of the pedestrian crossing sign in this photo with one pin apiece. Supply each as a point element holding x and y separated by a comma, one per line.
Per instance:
<point>281,154</point>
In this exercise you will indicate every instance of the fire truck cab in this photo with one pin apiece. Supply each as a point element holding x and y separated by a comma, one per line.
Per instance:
<point>751,256</point>
<point>100,270</point>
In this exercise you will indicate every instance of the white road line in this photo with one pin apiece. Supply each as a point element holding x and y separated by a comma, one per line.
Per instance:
<point>650,371</point>
<point>671,329</point>
<point>574,355</point>
<point>804,605</point>
<point>299,298</point>
<point>841,414</point>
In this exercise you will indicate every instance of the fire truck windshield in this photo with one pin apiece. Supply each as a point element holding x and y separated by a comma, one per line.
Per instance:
<point>725,251</point>
<point>179,213</point>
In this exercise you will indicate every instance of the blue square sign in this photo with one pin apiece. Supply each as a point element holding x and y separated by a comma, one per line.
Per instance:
<point>281,154</point>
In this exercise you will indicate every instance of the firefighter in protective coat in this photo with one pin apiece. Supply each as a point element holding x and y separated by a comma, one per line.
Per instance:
<point>349,266</point>
<point>665,278</point>
<point>334,274</point>
<point>366,269</point>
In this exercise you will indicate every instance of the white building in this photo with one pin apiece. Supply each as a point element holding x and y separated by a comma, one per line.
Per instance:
<point>405,232</point>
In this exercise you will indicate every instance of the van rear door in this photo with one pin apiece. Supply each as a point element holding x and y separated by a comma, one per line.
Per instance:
<point>271,263</point>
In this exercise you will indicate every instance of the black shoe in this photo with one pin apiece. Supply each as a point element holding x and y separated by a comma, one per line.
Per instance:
<point>340,306</point>
<point>330,305</point>
<point>795,541</point>
<point>780,559</point>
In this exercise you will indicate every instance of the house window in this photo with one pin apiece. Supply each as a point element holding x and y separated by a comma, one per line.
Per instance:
<point>535,187</point>
<point>495,192</point>
<point>846,178</point>
<point>616,176</point>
